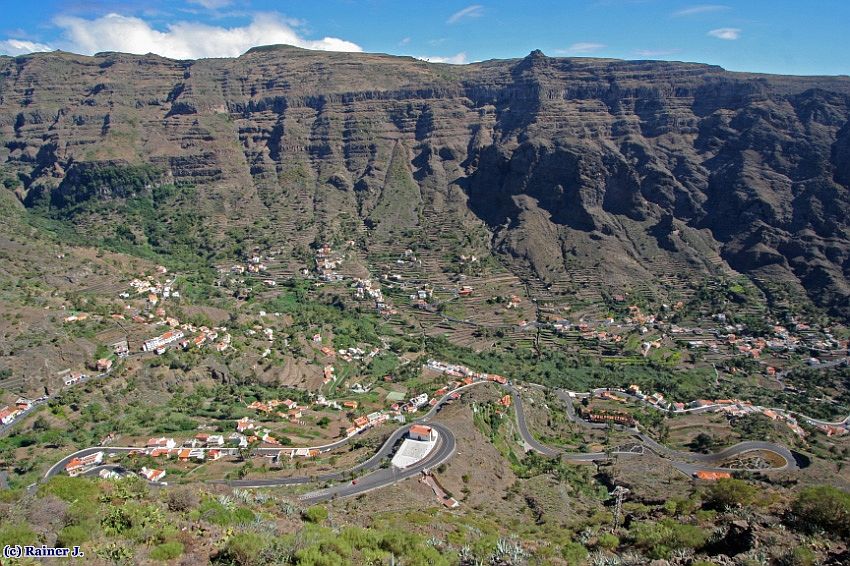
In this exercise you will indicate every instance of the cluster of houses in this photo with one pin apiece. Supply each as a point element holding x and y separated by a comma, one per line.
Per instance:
<point>782,338</point>
<point>732,407</point>
<point>253,264</point>
<point>291,410</point>
<point>204,335</point>
<point>327,263</point>
<point>202,447</point>
<point>469,376</point>
<point>154,289</point>
<point>366,289</point>
<point>721,337</point>
<point>354,353</point>
<point>420,298</point>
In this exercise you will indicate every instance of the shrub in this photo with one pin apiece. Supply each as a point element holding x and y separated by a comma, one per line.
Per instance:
<point>799,556</point>
<point>167,550</point>
<point>71,489</point>
<point>72,535</point>
<point>16,533</point>
<point>730,492</point>
<point>243,549</point>
<point>822,508</point>
<point>608,541</point>
<point>182,499</point>
<point>315,514</point>
<point>660,539</point>
<point>574,553</point>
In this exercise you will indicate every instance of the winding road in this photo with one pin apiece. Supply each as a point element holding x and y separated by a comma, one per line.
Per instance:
<point>379,475</point>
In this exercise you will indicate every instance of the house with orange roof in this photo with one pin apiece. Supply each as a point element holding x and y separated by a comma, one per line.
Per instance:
<point>79,465</point>
<point>350,404</point>
<point>244,424</point>
<point>420,432</point>
<point>8,414</point>
<point>151,474</point>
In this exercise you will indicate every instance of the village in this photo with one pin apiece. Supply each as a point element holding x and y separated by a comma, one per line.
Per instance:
<point>149,325</point>
<point>257,437</point>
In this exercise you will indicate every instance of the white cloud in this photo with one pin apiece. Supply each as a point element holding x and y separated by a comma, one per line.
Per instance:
<point>656,52</point>
<point>728,34</point>
<point>699,9</point>
<point>459,59</point>
<point>186,40</point>
<point>581,47</point>
<point>16,47</point>
<point>212,4</point>
<point>473,11</point>
<point>404,41</point>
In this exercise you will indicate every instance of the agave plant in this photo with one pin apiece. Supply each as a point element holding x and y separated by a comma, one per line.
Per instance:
<point>631,558</point>
<point>225,501</point>
<point>508,552</point>
<point>465,553</point>
<point>752,557</point>
<point>288,509</point>
<point>586,535</point>
<point>600,558</point>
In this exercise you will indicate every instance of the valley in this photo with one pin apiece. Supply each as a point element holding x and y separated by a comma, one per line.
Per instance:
<point>540,310</point>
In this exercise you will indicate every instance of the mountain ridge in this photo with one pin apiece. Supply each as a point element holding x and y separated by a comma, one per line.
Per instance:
<point>637,170</point>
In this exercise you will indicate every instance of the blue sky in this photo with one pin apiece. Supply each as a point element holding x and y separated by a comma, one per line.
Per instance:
<point>776,36</point>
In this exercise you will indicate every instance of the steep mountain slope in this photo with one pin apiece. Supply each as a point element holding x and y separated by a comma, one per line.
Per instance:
<point>634,172</point>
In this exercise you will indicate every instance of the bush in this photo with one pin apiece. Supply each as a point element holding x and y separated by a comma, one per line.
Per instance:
<point>660,539</point>
<point>71,489</point>
<point>315,514</point>
<point>800,556</point>
<point>822,508</point>
<point>574,553</point>
<point>181,500</point>
<point>167,550</point>
<point>243,549</point>
<point>729,493</point>
<point>72,535</point>
<point>608,541</point>
<point>16,533</point>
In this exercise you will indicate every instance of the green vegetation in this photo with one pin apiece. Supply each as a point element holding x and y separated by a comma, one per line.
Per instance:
<point>660,539</point>
<point>316,514</point>
<point>822,508</point>
<point>729,492</point>
<point>85,182</point>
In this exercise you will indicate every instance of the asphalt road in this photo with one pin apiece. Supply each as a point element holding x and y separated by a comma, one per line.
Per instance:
<point>688,462</point>
<point>383,477</point>
<point>378,477</point>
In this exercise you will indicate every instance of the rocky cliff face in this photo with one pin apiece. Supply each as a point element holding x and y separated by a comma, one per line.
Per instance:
<point>631,170</point>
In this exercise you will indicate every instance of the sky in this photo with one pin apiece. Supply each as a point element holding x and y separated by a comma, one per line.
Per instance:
<point>801,37</point>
